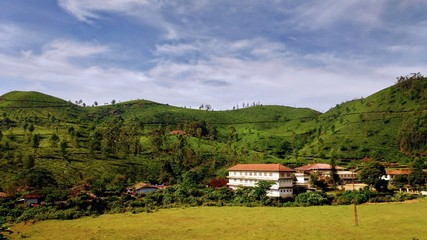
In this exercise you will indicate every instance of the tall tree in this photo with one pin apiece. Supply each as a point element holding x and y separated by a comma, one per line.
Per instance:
<point>371,174</point>
<point>334,174</point>
<point>35,142</point>
<point>417,178</point>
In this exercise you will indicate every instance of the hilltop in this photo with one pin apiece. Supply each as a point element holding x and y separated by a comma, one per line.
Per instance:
<point>135,140</point>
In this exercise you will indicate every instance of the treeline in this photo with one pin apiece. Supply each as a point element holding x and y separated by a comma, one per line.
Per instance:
<point>185,194</point>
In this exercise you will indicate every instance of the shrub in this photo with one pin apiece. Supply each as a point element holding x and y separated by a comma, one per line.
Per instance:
<point>311,199</point>
<point>347,197</point>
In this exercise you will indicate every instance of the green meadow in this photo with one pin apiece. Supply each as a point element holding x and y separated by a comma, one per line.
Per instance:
<point>376,221</point>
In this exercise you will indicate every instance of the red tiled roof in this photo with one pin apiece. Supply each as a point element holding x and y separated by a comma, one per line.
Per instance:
<point>317,166</point>
<point>398,172</point>
<point>4,195</point>
<point>404,171</point>
<point>143,185</point>
<point>261,167</point>
<point>32,195</point>
<point>177,132</point>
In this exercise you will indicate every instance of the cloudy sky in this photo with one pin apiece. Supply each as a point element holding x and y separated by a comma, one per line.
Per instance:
<point>190,52</point>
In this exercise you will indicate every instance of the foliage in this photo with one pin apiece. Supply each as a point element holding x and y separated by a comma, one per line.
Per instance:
<point>399,181</point>
<point>311,198</point>
<point>347,197</point>
<point>371,174</point>
<point>417,177</point>
<point>37,178</point>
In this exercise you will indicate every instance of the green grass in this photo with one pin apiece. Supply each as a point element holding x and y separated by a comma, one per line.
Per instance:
<point>376,221</point>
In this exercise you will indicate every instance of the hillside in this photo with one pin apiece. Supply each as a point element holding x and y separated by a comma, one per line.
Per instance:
<point>135,141</point>
<point>388,125</point>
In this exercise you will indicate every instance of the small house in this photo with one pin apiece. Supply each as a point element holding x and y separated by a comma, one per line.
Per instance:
<point>145,188</point>
<point>32,199</point>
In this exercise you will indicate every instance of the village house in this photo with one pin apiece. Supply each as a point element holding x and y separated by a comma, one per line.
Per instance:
<point>391,173</point>
<point>145,188</point>
<point>323,170</point>
<point>248,175</point>
<point>4,196</point>
<point>32,199</point>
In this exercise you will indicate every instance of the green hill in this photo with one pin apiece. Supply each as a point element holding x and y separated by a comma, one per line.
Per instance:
<point>146,141</point>
<point>388,125</point>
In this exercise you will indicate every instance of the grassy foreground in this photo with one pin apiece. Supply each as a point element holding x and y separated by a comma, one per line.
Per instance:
<point>376,221</point>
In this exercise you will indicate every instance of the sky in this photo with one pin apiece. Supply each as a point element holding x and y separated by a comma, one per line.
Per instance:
<point>313,54</point>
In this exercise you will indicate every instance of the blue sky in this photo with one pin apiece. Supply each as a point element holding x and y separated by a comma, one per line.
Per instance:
<point>312,54</point>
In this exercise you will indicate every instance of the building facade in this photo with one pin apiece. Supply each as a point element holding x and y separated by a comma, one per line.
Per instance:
<point>323,170</point>
<point>248,175</point>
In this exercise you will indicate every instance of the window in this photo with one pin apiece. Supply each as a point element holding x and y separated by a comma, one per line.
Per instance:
<point>265,174</point>
<point>270,174</point>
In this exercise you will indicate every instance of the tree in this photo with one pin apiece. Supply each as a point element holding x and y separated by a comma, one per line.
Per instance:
<point>35,142</point>
<point>371,174</point>
<point>31,128</point>
<point>63,149</point>
<point>95,103</point>
<point>38,178</point>
<point>29,161</point>
<point>261,190</point>
<point>113,102</point>
<point>54,139</point>
<point>417,177</point>
<point>399,181</point>
<point>335,178</point>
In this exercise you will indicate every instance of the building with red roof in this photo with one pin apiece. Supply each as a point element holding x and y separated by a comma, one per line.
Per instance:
<point>323,170</point>
<point>248,175</point>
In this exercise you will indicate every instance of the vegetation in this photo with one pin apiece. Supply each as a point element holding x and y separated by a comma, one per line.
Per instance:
<point>242,223</point>
<point>49,146</point>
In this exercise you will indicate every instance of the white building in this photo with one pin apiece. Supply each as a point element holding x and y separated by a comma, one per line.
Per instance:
<point>248,175</point>
<point>323,170</point>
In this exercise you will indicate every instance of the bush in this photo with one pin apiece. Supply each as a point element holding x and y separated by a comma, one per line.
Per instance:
<point>311,199</point>
<point>347,197</point>
<point>402,196</point>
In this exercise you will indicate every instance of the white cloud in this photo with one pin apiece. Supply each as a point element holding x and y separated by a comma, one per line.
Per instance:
<point>12,36</point>
<point>316,15</point>
<point>86,10</point>
<point>198,61</point>
<point>147,11</point>
<point>229,73</point>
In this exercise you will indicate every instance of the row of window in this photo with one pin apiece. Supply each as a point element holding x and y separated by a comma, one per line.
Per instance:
<point>252,181</point>
<point>243,181</point>
<point>347,176</point>
<point>270,174</point>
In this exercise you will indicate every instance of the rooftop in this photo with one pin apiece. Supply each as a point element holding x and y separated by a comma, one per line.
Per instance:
<point>261,167</point>
<point>317,166</point>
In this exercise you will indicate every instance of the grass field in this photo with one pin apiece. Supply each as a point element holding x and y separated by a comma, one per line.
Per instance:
<point>376,221</point>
